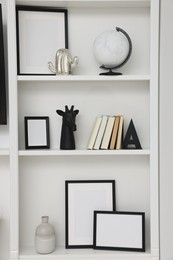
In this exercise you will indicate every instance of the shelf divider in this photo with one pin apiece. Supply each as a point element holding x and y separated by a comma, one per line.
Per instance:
<point>62,253</point>
<point>84,78</point>
<point>83,152</point>
<point>4,152</point>
<point>87,3</point>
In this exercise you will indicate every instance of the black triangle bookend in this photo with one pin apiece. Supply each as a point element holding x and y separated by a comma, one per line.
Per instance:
<point>131,140</point>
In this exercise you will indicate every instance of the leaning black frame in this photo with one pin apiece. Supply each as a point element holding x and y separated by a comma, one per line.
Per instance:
<point>125,248</point>
<point>38,9</point>
<point>67,242</point>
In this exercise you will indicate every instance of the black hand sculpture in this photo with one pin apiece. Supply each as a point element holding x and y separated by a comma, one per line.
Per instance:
<point>68,126</point>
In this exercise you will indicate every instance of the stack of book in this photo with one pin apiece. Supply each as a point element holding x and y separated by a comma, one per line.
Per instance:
<point>107,133</point>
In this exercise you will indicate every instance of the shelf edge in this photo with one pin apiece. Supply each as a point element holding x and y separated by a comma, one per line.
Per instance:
<point>84,78</point>
<point>83,152</point>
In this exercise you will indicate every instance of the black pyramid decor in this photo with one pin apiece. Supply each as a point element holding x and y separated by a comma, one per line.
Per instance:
<point>131,140</point>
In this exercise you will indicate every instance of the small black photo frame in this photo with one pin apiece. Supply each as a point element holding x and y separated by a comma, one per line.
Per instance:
<point>119,231</point>
<point>41,31</point>
<point>37,132</point>
<point>82,198</point>
<point>3,112</point>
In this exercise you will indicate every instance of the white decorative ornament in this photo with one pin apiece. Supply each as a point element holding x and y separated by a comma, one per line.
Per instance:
<point>112,49</point>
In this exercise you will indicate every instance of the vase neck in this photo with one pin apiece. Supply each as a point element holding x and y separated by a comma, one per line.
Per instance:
<point>45,219</point>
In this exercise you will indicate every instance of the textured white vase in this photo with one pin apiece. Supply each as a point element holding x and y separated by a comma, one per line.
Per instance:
<point>45,237</point>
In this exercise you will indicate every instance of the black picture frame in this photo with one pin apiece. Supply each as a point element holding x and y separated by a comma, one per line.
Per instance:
<point>37,132</point>
<point>45,37</point>
<point>82,197</point>
<point>119,230</point>
<point>3,109</point>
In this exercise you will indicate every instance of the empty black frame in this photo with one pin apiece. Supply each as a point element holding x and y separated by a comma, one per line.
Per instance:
<point>3,112</point>
<point>52,34</point>
<point>117,232</point>
<point>37,134</point>
<point>82,197</point>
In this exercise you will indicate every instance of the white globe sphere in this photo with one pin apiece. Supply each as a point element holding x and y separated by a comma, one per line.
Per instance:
<point>111,48</point>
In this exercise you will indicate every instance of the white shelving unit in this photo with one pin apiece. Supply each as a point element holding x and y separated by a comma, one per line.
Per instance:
<point>38,176</point>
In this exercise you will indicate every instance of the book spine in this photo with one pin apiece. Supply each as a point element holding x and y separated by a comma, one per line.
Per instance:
<point>100,133</point>
<point>94,133</point>
<point>114,133</point>
<point>120,133</point>
<point>108,133</point>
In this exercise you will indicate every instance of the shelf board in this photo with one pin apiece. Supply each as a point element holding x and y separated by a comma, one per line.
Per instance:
<point>61,253</point>
<point>82,152</point>
<point>87,3</point>
<point>4,152</point>
<point>84,78</point>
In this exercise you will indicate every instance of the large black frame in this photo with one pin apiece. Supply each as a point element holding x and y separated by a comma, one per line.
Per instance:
<point>69,208</point>
<point>3,112</point>
<point>21,8</point>
<point>115,232</point>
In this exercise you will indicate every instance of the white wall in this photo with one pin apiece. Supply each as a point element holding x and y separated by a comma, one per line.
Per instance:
<point>166,130</point>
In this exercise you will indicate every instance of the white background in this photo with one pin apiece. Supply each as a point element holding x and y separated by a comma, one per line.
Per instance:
<point>166,130</point>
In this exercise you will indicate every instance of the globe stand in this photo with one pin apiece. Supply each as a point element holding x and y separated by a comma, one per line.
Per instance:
<point>110,72</point>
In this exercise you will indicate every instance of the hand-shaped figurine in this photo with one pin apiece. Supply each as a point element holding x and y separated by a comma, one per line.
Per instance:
<point>68,126</point>
<point>64,63</point>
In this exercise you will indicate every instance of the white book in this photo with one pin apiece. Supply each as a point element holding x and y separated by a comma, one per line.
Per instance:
<point>120,133</point>
<point>100,133</point>
<point>94,133</point>
<point>108,132</point>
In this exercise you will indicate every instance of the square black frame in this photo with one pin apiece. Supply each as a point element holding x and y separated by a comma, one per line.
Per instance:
<point>68,244</point>
<point>45,145</point>
<point>121,248</point>
<point>3,109</point>
<point>24,8</point>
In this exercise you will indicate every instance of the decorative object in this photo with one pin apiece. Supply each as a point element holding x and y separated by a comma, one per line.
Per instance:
<point>82,198</point>
<point>68,127</point>
<point>3,113</point>
<point>40,32</point>
<point>45,241</point>
<point>131,140</point>
<point>64,63</point>
<point>119,231</point>
<point>112,49</point>
<point>37,132</point>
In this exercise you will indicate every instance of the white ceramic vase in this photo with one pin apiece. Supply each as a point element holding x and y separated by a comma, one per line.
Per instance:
<point>45,237</point>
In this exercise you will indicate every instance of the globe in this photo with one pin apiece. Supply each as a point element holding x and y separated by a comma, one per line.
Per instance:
<point>112,49</point>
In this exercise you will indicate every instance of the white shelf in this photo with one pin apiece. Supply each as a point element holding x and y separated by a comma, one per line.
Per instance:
<point>84,78</point>
<point>87,3</point>
<point>61,253</point>
<point>82,152</point>
<point>4,152</point>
